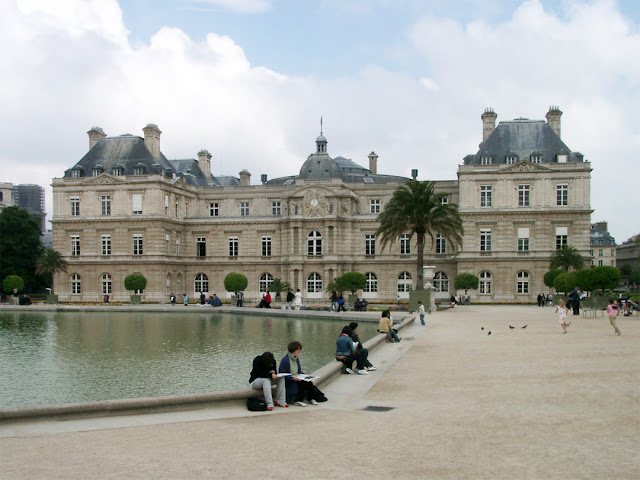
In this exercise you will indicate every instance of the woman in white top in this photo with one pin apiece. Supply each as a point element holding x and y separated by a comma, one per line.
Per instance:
<point>297,301</point>
<point>561,310</point>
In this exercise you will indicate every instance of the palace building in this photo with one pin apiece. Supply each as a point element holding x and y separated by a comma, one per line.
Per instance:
<point>125,208</point>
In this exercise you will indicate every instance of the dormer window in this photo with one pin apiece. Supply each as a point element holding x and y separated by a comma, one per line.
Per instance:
<point>562,159</point>
<point>117,172</point>
<point>536,158</point>
<point>76,173</point>
<point>511,159</point>
<point>96,171</point>
<point>138,171</point>
<point>486,161</point>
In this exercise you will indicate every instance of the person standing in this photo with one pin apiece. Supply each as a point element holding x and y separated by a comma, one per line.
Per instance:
<point>613,312</point>
<point>575,301</point>
<point>341,302</point>
<point>334,301</point>
<point>540,299</point>
<point>263,377</point>
<point>562,311</point>
<point>203,298</point>
<point>185,300</point>
<point>421,312</point>
<point>239,298</point>
<point>172,299</point>
<point>297,302</point>
<point>290,298</point>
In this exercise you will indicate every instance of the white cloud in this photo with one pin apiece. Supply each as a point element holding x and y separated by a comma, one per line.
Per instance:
<point>243,6</point>
<point>429,84</point>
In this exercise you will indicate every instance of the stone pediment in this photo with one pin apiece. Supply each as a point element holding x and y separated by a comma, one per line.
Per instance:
<point>103,179</point>
<point>524,166</point>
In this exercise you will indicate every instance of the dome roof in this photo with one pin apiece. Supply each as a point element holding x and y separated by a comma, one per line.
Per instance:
<point>321,138</point>
<point>319,166</point>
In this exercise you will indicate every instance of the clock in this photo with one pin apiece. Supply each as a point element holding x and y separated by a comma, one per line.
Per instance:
<point>313,202</point>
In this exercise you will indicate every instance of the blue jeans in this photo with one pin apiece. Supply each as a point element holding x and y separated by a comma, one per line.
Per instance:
<point>422,319</point>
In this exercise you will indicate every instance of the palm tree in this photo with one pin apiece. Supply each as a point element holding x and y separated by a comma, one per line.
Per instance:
<point>565,258</point>
<point>51,261</point>
<point>416,208</point>
<point>278,286</point>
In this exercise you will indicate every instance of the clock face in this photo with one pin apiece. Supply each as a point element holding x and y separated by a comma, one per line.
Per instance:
<point>314,202</point>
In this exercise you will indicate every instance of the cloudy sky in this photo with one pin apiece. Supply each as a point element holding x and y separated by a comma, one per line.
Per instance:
<point>250,79</point>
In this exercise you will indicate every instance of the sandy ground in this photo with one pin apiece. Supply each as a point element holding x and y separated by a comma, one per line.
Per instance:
<point>517,404</point>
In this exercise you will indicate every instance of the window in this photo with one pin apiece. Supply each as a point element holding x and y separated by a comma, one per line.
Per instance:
<point>561,237</point>
<point>138,171</point>
<point>75,245</point>
<point>511,159</point>
<point>201,283</point>
<point>177,246</point>
<point>75,173</point>
<point>137,244</point>
<point>523,195</point>
<point>485,195</point>
<point>314,283</point>
<point>593,263</point>
<point>166,244</point>
<point>536,158</point>
<point>369,244</point>
<point>441,282</point>
<point>600,252</point>
<point>562,159</point>
<point>106,284</point>
<point>613,252</point>
<point>374,206</point>
<point>76,285</point>
<point>201,247</point>
<point>405,244</point>
<point>136,200</point>
<point>233,246</point>
<point>314,244</point>
<point>75,206</point>
<point>105,202</point>
<point>166,205</point>
<point>562,195</point>
<point>523,282</point>
<point>591,253</point>
<point>405,282</point>
<point>177,204</point>
<point>106,244</point>
<point>485,282</point>
<point>96,171</point>
<point>444,200</point>
<point>266,246</point>
<point>441,244</point>
<point>186,208</point>
<point>244,209</point>
<point>485,240</point>
<point>523,239</point>
<point>486,161</point>
<point>276,208</point>
<point>265,281</point>
<point>372,283</point>
<point>213,210</point>
<point>117,172</point>
<point>613,263</point>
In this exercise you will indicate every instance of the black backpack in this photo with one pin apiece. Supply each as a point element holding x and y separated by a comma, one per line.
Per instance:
<point>256,405</point>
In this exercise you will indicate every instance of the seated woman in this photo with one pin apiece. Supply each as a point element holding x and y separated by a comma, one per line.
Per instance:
<point>346,352</point>
<point>297,390</point>
<point>263,376</point>
<point>385,326</point>
<point>265,302</point>
<point>363,351</point>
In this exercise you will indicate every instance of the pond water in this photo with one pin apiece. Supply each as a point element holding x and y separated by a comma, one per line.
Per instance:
<point>69,357</point>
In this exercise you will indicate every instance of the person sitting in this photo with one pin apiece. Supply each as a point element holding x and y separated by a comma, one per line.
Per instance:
<point>357,305</point>
<point>265,302</point>
<point>24,300</point>
<point>297,390</point>
<point>363,351</point>
<point>263,376</point>
<point>346,352</point>
<point>385,327</point>
<point>364,304</point>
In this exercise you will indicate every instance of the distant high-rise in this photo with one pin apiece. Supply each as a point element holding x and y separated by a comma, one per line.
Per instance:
<point>28,197</point>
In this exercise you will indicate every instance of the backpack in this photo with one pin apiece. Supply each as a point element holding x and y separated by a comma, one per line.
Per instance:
<point>256,405</point>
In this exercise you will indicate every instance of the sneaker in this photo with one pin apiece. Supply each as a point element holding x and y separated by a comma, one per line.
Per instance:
<point>300,404</point>
<point>313,402</point>
<point>372,368</point>
<point>363,372</point>
<point>349,371</point>
<point>568,323</point>
<point>283,406</point>
<point>270,408</point>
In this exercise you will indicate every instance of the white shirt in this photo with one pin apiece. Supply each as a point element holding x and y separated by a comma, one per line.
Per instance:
<point>421,310</point>
<point>298,299</point>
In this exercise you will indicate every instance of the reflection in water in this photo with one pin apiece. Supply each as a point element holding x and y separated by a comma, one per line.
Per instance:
<point>68,357</point>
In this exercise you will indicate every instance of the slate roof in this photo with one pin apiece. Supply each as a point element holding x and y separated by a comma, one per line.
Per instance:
<point>599,236</point>
<point>523,137</point>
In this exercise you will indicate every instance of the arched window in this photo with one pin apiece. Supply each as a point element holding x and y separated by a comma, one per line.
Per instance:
<point>314,244</point>
<point>201,283</point>
<point>485,282</point>
<point>76,285</point>
<point>523,282</point>
<point>372,283</point>
<point>314,283</point>
<point>266,279</point>
<point>405,282</point>
<point>441,282</point>
<point>106,284</point>
<point>168,284</point>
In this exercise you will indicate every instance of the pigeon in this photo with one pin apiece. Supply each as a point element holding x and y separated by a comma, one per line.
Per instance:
<point>525,326</point>
<point>489,332</point>
<point>511,326</point>
<point>481,328</point>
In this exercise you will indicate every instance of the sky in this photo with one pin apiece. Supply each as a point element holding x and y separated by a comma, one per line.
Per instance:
<point>249,81</point>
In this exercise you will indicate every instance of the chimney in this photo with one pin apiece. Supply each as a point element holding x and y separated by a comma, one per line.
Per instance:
<point>553,119</point>
<point>95,135</point>
<point>204,159</point>
<point>263,178</point>
<point>488,123</point>
<point>245,178</point>
<point>373,162</point>
<point>603,225</point>
<point>152,139</point>
<point>414,173</point>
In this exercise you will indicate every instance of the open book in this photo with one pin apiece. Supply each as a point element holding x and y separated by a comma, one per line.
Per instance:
<point>305,377</point>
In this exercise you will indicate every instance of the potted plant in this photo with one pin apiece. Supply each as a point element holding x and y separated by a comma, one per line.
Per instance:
<point>235,282</point>
<point>137,283</point>
<point>13,285</point>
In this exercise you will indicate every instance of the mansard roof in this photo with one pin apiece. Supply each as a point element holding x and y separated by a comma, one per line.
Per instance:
<point>600,236</point>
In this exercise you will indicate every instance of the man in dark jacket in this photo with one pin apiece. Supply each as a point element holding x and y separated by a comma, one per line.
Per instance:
<point>263,376</point>
<point>575,301</point>
<point>363,351</point>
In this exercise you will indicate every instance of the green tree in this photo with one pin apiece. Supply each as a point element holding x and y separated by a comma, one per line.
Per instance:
<point>417,209</point>
<point>566,258</point>
<point>278,286</point>
<point>234,282</point>
<point>605,278</point>
<point>352,282</point>
<point>20,245</point>
<point>565,282</point>
<point>626,270</point>
<point>135,282</point>
<point>550,277</point>
<point>51,262</point>
<point>466,281</point>
<point>634,277</point>
<point>11,282</point>
<point>584,279</point>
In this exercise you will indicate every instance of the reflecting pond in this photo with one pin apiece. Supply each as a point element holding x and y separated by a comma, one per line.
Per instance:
<point>69,357</point>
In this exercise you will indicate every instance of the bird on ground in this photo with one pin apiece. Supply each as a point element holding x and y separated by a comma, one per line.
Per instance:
<point>489,332</point>
<point>511,326</point>
<point>481,328</point>
<point>525,326</point>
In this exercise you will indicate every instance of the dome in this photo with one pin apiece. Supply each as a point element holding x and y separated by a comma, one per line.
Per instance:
<point>321,139</point>
<point>319,166</point>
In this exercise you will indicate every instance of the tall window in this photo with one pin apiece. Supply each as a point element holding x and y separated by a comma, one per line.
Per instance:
<point>511,159</point>
<point>441,244</point>
<point>485,195</point>
<point>265,281</point>
<point>105,203</point>
<point>369,244</point>
<point>138,171</point>
<point>166,205</point>
<point>372,283</point>
<point>441,282</point>
<point>562,194</point>
<point>137,244</point>
<point>314,244</point>
<point>486,161</point>
<point>405,244</point>
<point>244,209</point>
<point>233,246</point>
<point>536,157</point>
<point>600,263</point>
<point>213,210</point>
<point>485,240</point>
<point>523,282</point>
<point>485,282</point>
<point>266,246</point>
<point>75,245</point>
<point>562,235</point>
<point>106,244</point>
<point>75,206</point>
<point>76,285</point>
<point>96,171</point>
<point>136,200</point>
<point>314,283</point>
<point>374,206</point>
<point>106,284</point>
<point>201,283</point>
<point>600,252</point>
<point>177,246</point>
<point>276,208</point>
<point>75,173</point>
<point>201,246</point>
<point>523,195</point>
<point>186,208</point>
<point>405,282</point>
<point>117,172</point>
<point>166,243</point>
<point>523,239</point>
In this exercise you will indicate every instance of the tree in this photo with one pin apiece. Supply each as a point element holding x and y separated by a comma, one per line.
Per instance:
<point>466,281</point>
<point>51,262</point>
<point>417,209</point>
<point>352,282</point>
<point>566,258</point>
<point>20,245</point>
<point>235,282</point>
<point>584,280</point>
<point>12,282</point>
<point>550,277</point>
<point>135,282</point>
<point>605,278</point>
<point>278,286</point>
<point>565,282</point>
